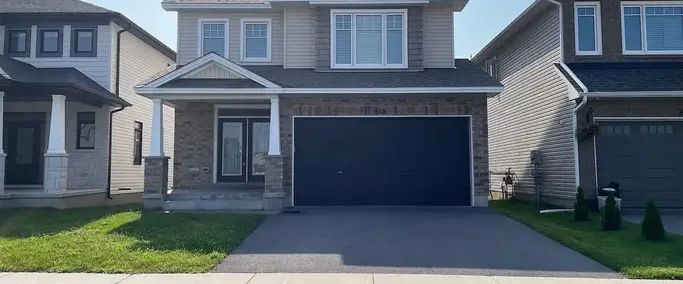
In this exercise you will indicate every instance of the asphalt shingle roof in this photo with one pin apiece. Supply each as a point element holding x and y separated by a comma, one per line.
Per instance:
<point>50,6</point>
<point>466,75</point>
<point>630,76</point>
<point>17,74</point>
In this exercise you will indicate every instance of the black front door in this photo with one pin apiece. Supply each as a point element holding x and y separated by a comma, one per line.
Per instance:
<point>242,147</point>
<point>23,145</point>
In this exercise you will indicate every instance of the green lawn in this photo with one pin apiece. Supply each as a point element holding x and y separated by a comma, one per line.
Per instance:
<point>121,239</point>
<point>624,251</point>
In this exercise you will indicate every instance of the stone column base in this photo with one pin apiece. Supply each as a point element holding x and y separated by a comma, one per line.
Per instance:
<point>273,196</point>
<point>3,157</point>
<point>156,181</point>
<point>56,170</point>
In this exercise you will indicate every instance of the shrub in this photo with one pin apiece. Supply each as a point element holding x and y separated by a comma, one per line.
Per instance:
<point>580,206</point>
<point>652,227</point>
<point>611,218</point>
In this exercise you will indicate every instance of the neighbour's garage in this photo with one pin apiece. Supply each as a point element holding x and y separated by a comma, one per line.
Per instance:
<point>645,158</point>
<point>385,161</point>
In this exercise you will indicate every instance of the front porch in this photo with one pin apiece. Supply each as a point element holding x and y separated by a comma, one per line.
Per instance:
<point>54,130</point>
<point>229,156</point>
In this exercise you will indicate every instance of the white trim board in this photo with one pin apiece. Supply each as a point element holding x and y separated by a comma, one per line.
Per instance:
<point>471,142</point>
<point>269,39</point>
<point>597,20</point>
<point>203,93</point>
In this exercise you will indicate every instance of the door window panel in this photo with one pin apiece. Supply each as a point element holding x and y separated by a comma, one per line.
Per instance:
<point>259,144</point>
<point>25,145</point>
<point>232,149</point>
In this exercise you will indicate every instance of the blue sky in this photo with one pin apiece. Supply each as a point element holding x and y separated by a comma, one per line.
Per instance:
<point>474,27</point>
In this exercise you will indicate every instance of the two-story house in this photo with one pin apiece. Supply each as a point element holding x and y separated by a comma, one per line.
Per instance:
<point>597,88</point>
<point>319,103</point>
<point>73,129</point>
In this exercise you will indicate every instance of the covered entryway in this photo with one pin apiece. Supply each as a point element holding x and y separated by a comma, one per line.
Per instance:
<point>392,161</point>
<point>645,157</point>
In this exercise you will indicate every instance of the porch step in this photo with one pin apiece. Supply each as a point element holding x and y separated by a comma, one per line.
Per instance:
<point>213,199</point>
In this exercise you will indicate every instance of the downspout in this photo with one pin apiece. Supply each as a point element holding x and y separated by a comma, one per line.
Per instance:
<point>122,107</point>
<point>575,118</point>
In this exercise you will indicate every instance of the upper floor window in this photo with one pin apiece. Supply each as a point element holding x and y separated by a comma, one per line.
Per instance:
<point>492,68</point>
<point>18,42</point>
<point>588,28</point>
<point>369,39</point>
<point>652,29</point>
<point>256,40</point>
<point>49,42</point>
<point>214,37</point>
<point>84,42</point>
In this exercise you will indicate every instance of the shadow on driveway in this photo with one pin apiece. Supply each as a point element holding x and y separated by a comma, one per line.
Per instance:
<point>467,241</point>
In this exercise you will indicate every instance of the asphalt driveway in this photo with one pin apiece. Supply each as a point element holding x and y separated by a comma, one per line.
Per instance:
<point>467,241</point>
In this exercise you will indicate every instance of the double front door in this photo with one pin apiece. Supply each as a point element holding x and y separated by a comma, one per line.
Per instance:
<point>242,147</point>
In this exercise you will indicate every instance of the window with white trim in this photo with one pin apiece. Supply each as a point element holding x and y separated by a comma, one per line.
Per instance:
<point>652,28</point>
<point>369,39</point>
<point>588,28</point>
<point>256,38</point>
<point>214,37</point>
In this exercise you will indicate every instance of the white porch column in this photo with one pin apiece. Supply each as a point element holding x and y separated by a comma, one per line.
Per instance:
<point>156,145</point>
<point>2,151</point>
<point>57,126</point>
<point>56,159</point>
<point>274,140</point>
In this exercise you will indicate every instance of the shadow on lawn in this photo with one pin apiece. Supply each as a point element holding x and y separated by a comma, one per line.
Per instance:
<point>30,222</point>
<point>204,233</point>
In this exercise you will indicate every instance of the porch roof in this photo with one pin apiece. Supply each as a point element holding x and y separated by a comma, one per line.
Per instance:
<point>24,82</point>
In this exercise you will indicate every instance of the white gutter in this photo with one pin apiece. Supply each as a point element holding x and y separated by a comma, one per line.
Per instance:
<point>213,6</point>
<point>198,92</point>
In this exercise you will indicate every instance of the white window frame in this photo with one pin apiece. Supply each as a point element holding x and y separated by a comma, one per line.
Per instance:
<point>643,27</point>
<point>353,13</point>
<point>200,34</point>
<point>243,42</point>
<point>598,27</point>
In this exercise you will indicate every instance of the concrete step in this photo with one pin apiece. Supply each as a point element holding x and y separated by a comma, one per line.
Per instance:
<point>213,205</point>
<point>185,195</point>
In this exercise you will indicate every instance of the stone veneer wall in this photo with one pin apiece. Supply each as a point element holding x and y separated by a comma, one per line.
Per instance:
<point>393,105</point>
<point>194,130</point>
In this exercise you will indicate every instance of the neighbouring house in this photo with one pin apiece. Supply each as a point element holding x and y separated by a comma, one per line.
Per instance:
<point>73,129</point>
<point>597,88</point>
<point>318,103</point>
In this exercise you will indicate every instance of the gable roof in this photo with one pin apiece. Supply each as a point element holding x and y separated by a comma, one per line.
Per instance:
<point>629,76</point>
<point>533,11</point>
<point>11,9</point>
<point>203,62</point>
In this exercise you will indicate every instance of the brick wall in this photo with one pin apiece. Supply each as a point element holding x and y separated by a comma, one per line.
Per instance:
<point>387,105</point>
<point>194,130</point>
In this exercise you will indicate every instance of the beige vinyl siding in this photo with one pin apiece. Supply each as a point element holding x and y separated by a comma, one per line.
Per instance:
<point>438,36</point>
<point>188,37</point>
<point>2,40</point>
<point>139,61</point>
<point>534,112</point>
<point>300,37</point>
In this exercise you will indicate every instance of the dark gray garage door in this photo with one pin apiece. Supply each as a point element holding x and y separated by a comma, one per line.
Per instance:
<point>645,158</point>
<point>382,161</point>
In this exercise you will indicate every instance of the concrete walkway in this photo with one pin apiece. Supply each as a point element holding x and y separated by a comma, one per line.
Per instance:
<point>265,278</point>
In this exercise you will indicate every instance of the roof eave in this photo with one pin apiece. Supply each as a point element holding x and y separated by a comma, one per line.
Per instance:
<point>193,6</point>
